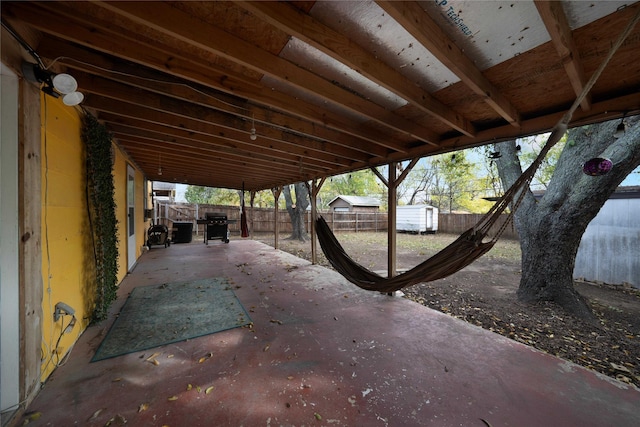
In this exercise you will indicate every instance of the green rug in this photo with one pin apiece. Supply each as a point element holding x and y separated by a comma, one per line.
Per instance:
<point>163,314</point>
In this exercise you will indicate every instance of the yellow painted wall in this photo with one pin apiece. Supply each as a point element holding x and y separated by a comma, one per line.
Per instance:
<point>68,263</point>
<point>67,258</point>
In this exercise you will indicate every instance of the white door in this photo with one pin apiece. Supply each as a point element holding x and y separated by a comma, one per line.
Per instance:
<point>131,218</point>
<point>9,276</point>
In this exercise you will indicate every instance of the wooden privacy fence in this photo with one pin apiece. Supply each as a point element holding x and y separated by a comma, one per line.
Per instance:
<point>263,219</point>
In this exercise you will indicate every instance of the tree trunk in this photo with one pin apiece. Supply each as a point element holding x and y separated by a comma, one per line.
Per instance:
<point>551,228</point>
<point>297,210</point>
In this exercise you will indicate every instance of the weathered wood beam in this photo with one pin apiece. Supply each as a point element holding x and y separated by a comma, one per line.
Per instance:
<point>301,25</point>
<point>172,22</point>
<point>555,21</point>
<point>226,122</point>
<point>420,25</point>
<point>71,25</point>
<point>226,137</point>
<point>91,62</point>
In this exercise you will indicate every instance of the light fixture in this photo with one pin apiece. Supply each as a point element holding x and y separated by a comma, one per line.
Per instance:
<point>159,165</point>
<point>54,84</point>
<point>619,133</point>
<point>253,135</point>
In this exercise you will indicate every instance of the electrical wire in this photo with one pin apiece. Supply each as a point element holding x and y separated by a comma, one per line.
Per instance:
<point>179,84</point>
<point>23,43</point>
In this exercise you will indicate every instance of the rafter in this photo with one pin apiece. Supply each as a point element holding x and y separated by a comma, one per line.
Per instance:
<point>79,58</point>
<point>172,22</point>
<point>119,42</point>
<point>558,28</point>
<point>418,23</point>
<point>301,25</point>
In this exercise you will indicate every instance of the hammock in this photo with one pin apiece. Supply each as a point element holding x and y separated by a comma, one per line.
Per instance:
<point>470,245</point>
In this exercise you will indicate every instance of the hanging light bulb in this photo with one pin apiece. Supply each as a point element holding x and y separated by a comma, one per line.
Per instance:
<point>159,165</point>
<point>253,135</point>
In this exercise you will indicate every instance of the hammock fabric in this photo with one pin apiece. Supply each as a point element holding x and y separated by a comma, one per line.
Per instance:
<point>459,254</point>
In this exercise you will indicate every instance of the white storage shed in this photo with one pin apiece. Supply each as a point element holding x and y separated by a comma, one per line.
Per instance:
<point>417,218</point>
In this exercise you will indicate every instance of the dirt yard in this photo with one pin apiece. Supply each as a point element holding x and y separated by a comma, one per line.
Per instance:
<point>484,294</point>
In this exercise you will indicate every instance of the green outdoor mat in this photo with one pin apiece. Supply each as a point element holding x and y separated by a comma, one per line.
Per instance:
<point>163,314</point>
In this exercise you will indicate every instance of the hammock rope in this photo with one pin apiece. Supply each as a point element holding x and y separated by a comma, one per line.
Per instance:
<point>470,245</point>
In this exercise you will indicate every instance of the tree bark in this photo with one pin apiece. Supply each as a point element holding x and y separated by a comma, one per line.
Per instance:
<point>551,227</point>
<point>297,210</point>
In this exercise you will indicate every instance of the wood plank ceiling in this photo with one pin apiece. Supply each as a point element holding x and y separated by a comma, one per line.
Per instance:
<point>329,87</point>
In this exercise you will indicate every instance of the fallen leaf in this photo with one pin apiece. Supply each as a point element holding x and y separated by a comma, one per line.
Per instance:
<point>318,416</point>
<point>189,387</point>
<point>208,390</point>
<point>143,407</point>
<point>31,416</point>
<point>172,398</point>
<point>198,389</point>
<point>95,414</point>
<point>266,347</point>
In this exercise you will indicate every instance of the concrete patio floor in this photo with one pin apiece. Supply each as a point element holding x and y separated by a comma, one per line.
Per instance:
<point>321,353</point>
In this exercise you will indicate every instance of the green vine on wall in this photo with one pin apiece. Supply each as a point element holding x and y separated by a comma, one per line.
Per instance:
<point>102,215</point>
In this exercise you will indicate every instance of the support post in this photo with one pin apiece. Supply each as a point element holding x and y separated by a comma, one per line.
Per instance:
<point>391,222</point>
<point>276,227</point>
<point>252,198</point>
<point>314,189</point>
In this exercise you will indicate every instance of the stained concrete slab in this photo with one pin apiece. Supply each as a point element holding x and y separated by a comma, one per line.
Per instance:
<point>321,352</point>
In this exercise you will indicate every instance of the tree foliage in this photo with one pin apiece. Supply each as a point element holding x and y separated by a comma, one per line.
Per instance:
<point>447,181</point>
<point>359,183</point>
<point>211,196</point>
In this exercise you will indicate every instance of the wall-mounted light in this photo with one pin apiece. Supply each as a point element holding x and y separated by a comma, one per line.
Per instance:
<point>55,85</point>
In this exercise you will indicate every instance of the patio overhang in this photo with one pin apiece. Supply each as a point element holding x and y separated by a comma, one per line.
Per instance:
<point>329,87</point>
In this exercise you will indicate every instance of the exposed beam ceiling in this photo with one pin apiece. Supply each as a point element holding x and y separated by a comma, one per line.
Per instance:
<point>329,87</point>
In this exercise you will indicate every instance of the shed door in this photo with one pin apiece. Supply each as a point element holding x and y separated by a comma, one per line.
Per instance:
<point>131,218</point>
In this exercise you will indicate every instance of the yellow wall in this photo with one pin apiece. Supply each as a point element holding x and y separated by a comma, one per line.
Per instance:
<point>67,258</point>
<point>68,265</point>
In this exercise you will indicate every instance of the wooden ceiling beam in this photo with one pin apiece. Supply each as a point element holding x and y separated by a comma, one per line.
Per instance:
<point>172,22</point>
<point>555,21</point>
<point>225,135</point>
<point>301,25</point>
<point>90,62</point>
<point>175,160</point>
<point>420,25</point>
<point>205,151</point>
<point>227,122</point>
<point>70,25</point>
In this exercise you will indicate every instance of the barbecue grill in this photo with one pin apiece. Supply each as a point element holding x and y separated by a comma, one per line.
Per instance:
<point>216,227</point>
